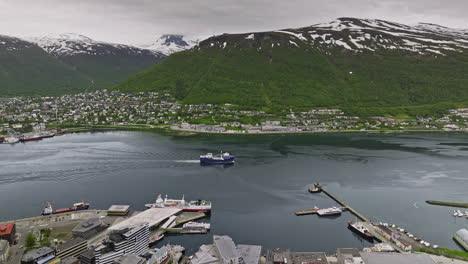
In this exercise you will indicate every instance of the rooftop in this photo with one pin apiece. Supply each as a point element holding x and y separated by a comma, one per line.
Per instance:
<point>37,253</point>
<point>6,229</point>
<point>129,259</point>
<point>392,258</point>
<point>119,208</point>
<point>308,257</point>
<point>87,225</point>
<point>69,244</point>
<point>250,253</point>
<point>152,216</point>
<point>226,247</point>
<point>462,234</point>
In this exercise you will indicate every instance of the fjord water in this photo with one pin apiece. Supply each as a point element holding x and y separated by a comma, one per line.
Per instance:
<point>385,177</point>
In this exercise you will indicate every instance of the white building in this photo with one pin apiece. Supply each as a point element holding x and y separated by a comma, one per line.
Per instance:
<point>121,242</point>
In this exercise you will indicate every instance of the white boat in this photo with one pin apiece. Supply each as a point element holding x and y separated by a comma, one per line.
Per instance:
<point>11,140</point>
<point>329,211</point>
<point>196,225</point>
<point>193,206</point>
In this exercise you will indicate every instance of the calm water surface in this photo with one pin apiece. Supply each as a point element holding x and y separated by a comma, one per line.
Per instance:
<point>385,177</point>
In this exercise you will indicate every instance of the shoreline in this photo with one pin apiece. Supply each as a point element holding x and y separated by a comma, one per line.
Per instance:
<point>177,132</point>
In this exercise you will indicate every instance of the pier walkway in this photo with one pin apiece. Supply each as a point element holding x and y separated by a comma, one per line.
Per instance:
<point>354,212</point>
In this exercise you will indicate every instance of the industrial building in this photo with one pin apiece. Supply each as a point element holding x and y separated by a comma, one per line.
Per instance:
<point>134,240</point>
<point>72,248</point>
<point>224,251</point>
<point>8,232</point>
<point>461,236</point>
<point>37,256</point>
<point>89,228</point>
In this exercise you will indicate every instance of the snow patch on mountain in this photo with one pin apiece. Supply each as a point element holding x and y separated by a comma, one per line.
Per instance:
<point>168,44</point>
<point>70,44</point>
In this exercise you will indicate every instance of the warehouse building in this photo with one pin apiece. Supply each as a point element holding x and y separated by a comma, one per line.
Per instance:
<point>89,228</point>
<point>40,255</point>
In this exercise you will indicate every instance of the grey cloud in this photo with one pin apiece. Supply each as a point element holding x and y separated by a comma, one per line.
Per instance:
<point>138,21</point>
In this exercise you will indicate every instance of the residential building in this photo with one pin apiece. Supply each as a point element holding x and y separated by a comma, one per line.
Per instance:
<point>394,257</point>
<point>133,240</point>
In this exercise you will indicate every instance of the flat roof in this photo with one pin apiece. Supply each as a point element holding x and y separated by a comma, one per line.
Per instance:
<point>152,216</point>
<point>37,253</point>
<point>87,225</point>
<point>70,243</point>
<point>226,247</point>
<point>250,253</point>
<point>308,257</point>
<point>119,208</point>
<point>6,229</point>
<point>392,258</point>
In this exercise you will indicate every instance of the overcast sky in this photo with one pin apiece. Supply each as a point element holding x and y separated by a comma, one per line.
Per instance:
<point>140,21</point>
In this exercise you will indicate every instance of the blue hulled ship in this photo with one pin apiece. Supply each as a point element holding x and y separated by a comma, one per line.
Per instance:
<point>222,158</point>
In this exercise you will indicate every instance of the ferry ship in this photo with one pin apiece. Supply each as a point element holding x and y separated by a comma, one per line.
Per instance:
<point>329,211</point>
<point>360,229</point>
<point>222,158</point>
<point>192,206</point>
<point>76,207</point>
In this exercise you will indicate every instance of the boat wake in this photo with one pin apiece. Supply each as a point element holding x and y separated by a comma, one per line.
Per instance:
<point>188,161</point>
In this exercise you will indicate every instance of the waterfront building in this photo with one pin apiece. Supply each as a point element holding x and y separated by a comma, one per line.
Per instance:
<point>461,236</point>
<point>394,257</point>
<point>224,251</point>
<point>133,240</point>
<point>308,257</point>
<point>38,256</point>
<point>4,250</point>
<point>278,256</point>
<point>89,228</point>
<point>130,259</point>
<point>349,256</point>
<point>160,257</point>
<point>118,210</point>
<point>8,232</point>
<point>72,248</point>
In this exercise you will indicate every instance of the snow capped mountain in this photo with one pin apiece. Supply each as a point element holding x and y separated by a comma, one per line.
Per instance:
<point>362,35</point>
<point>168,44</point>
<point>71,44</point>
<point>13,44</point>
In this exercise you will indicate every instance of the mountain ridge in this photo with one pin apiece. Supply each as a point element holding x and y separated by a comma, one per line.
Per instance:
<point>345,62</point>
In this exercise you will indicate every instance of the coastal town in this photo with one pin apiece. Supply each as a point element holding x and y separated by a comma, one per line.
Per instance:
<point>112,109</point>
<point>121,235</point>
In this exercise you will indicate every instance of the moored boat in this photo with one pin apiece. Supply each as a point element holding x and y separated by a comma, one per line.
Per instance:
<point>192,206</point>
<point>156,238</point>
<point>11,140</point>
<point>316,189</point>
<point>329,211</point>
<point>76,207</point>
<point>360,229</point>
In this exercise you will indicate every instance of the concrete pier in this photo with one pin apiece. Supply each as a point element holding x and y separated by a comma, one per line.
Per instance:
<point>354,212</point>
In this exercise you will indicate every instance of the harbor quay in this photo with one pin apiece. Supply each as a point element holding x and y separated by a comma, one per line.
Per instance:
<point>121,235</point>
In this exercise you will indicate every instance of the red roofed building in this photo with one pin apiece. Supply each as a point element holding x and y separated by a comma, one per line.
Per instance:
<point>8,232</point>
